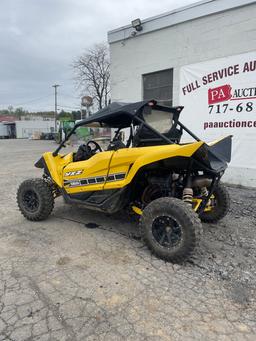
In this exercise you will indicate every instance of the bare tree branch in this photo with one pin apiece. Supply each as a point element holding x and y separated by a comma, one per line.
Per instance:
<point>92,74</point>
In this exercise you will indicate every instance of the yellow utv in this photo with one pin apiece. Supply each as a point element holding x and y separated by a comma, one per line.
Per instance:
<point>170,185</point>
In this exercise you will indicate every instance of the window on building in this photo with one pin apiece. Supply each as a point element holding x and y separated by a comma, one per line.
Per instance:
<point>158,85</point>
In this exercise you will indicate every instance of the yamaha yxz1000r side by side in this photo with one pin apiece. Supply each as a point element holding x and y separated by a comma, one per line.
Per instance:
<point>172,186</point>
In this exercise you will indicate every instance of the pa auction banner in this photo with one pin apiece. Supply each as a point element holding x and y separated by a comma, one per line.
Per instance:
<point>219,97</point>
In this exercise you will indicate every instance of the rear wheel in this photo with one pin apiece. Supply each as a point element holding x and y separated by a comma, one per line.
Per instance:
<point>170,229</point>
<point>220,205</point>
<point>35,199</point>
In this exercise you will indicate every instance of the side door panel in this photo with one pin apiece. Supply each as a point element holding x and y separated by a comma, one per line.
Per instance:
<point>88,175</point>
<point>120,165</point>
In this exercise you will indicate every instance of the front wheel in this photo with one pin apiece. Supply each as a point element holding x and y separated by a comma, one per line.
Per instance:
<point>35,199</point>
<point>170,229</point>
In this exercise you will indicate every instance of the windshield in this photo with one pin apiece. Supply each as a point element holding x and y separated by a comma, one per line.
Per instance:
<point>160,120</point>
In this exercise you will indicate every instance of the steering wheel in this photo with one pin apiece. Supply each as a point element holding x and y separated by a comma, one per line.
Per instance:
<point>96,148</point>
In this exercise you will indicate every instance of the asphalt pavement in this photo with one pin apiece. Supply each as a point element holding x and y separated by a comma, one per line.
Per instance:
<point>83,275</point>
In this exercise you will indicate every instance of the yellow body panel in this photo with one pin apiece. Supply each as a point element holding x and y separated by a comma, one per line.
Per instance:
<point>96,166</point>
<point>139,157</point>
<point>60,165</point>
<point>104,168</point>
<point>56,164</point>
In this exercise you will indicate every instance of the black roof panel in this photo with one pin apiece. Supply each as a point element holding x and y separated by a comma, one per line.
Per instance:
<point>120,115</point>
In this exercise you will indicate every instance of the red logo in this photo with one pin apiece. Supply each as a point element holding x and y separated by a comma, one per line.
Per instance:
<point>219,94</point>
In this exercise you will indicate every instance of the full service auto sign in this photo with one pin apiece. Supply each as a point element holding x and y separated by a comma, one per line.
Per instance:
<point>219,97</point>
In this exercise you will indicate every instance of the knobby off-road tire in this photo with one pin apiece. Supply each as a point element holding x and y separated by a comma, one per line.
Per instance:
<point>185,225</point>
<point>35,199</point>
<point>222,205</point>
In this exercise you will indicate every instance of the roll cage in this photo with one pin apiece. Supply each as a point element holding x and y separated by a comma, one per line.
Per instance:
<point>122,115</point>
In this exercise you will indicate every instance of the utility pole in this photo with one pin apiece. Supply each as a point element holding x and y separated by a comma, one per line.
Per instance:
<point>55,86</point>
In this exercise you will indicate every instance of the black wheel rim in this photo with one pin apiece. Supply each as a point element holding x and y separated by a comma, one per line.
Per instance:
<point>166,231</point>
<point>30,201</point>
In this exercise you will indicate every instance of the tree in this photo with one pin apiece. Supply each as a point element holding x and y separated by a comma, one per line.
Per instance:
<point>92,73</point>
<point>10,109</point>
<point>4,112</point>
<point>65,115</point>
<point>76,114</point>
<point>20,112</point>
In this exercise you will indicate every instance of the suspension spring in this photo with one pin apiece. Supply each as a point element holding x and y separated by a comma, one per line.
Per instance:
<point>187,195</point>
<point>204,192</point>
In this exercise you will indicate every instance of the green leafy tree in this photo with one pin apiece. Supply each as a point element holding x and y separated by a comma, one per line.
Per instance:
<point>76,115</point>
<point>65,115</point>
<point>4,112</point>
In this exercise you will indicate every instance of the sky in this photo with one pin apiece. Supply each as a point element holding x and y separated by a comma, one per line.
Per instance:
<point>39,40</point>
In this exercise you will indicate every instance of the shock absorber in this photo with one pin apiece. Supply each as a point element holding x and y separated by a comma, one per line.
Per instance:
<point>204,192</point>
<point>187,195</point>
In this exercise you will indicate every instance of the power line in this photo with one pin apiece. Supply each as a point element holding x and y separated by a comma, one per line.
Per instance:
<point>28,102</point>
<point>68,107</point>
<point>67,95</point>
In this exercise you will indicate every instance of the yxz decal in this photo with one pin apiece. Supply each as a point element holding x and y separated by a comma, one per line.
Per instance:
<point>74,173</point>
<point>94,180</point>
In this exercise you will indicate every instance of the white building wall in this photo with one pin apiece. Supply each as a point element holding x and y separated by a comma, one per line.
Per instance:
<point>3,130</point>
<point>218,35</point>
<point>25,129</point>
